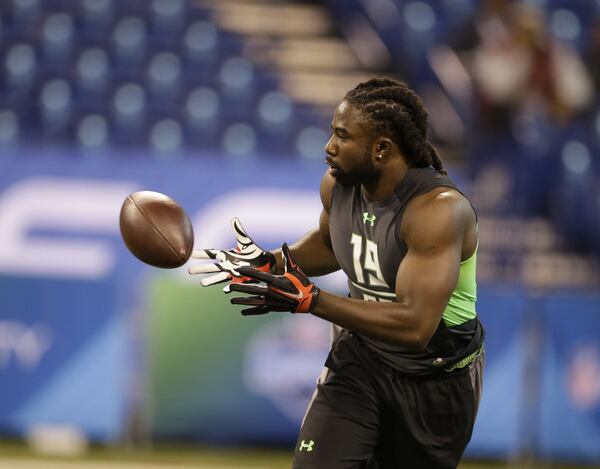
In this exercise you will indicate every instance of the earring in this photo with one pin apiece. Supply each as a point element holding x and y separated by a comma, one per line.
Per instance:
<point>379,157</point>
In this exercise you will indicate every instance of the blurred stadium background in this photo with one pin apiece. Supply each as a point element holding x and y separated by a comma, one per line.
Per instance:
<point>225,105</point>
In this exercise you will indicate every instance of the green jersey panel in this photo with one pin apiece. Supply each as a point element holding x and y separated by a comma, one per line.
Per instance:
<point>461,307</point>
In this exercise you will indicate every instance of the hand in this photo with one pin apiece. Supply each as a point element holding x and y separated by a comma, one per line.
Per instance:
<point>246,253</point>
<point>292,291</point>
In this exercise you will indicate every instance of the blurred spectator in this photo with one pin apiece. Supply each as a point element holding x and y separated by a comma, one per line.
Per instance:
<point>517,66</point>
<point>488,19</point>
<point>527,87</point>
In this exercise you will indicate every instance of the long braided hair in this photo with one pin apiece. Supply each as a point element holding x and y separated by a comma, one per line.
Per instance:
<point>395,109</point>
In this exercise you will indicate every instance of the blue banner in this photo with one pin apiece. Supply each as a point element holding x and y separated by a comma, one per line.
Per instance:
<point>63,357</point>
<point>498,426</point>
<point>73,296</point>
<point>569,413</point>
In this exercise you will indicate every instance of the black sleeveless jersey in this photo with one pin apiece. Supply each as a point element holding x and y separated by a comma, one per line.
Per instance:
<point>367,243</point>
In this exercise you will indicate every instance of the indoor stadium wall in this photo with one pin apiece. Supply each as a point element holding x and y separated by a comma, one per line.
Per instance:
<point>92,339</point>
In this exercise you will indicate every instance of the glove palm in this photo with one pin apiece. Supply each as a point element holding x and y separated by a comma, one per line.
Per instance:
<point>228,262</point>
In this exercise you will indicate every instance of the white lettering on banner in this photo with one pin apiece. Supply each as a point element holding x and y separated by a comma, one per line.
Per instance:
<point>92,206</point>
<point>77,205</point>
<point>27,344</point>
<point>265,213</point>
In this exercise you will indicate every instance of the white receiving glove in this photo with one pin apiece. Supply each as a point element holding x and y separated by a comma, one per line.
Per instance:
<point>246,253</point>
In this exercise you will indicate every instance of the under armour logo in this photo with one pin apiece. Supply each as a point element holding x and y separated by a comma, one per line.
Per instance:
<point>306,446</point>
<point>367,217</point>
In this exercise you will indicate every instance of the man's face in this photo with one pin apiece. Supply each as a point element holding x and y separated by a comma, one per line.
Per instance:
<point>349,154</point>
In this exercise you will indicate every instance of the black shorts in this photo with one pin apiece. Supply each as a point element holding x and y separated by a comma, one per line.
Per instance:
<point>365,414</point>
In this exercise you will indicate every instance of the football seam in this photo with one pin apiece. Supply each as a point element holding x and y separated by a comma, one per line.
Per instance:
<point>155,228</point>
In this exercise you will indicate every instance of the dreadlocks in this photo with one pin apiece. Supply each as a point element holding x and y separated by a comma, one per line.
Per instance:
<point>393,108</point>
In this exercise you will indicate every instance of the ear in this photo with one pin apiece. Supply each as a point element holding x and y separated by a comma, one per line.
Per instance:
<point>382,146</point>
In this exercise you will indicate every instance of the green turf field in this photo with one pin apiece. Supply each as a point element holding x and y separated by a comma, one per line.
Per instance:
<point>17,456</point>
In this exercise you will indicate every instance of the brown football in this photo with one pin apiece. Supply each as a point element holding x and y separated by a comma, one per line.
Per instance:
<point>156,229</point>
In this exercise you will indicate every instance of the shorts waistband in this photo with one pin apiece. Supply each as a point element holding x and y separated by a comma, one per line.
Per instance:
<point>467,360</point>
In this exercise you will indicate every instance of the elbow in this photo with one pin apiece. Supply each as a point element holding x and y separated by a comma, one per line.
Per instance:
<point>418,344</point>
<point>413,341</point>
<point>416,341</point>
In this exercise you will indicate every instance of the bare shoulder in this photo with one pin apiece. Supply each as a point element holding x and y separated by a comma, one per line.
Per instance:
<point>439,216</point>
<point>327,183</point>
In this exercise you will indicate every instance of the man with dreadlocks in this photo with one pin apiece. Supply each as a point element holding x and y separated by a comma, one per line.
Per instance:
<point>402,382</point>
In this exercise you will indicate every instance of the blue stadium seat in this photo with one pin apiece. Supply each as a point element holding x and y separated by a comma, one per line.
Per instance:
<point>163,75</point>
<point>24,12</point>
<point>237,84</point>
<point>55,107</point>
<point>166,136</point>
<point>275,118</point>
<point>168,17</point>
<point>310,142</point>
<point>202,117</point>
<point>92,69</point>
<point>57,39</point>
<point>575,207</point>
<point>419,16</point>
<point>200,46</point>
<point>20,65</point>
<point>239,140</point>
<point>576,159</point>
<point>578,22</point>
<point>202,105</point>
<point>565,25</point>
<point>95,17</point>
<point>139,8</point>
<point>129,42</point>
<point>9,127</point>
<point>129,113</point>
<point>418,33</point>
<point>92,132</point>
<point>275,109</point>
<point>456,8</point>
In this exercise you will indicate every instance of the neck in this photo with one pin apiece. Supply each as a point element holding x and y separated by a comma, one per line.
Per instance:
<point>390,175</point>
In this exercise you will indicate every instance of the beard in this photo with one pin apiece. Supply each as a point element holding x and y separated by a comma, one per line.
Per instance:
<point>362,173</point>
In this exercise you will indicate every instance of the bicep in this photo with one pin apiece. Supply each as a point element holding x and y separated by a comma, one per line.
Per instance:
<point>429,272</point>
<point>425,281</point>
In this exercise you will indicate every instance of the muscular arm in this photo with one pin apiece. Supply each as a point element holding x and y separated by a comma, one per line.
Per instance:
<point>433,228</point>
<point>313,252</point>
